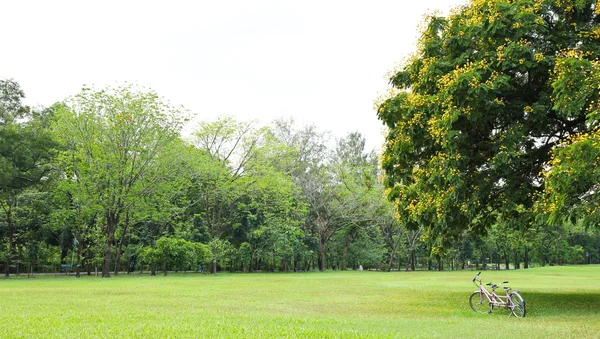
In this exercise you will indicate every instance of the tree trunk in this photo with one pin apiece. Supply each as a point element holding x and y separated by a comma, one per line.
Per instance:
<point>391,260</point>
<point>153,269</point>
<point>517,261</point>
<point>111,225</point>
<point>11,235</point>
<point>283,266</point>
<point>120,246</point>
<point>273,267</point>
<point>526,258</point>
<point>119,252</point>
<point>345,256</point>
<point>251,259</point>
<point>165,269</point>
<point>322,251</point>
<point>79,251</point>
<point>507,260</point>
<point>87,261</point>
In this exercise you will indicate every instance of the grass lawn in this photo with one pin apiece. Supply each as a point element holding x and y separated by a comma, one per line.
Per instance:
<point>562,302</point>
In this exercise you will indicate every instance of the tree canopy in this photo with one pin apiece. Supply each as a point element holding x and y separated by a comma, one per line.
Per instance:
<point>477,112</point>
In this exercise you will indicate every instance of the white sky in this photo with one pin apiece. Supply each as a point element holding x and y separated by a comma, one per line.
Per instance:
<point>321,62</point>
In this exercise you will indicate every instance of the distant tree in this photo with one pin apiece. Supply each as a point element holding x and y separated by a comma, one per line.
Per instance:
<point>221,181</point>
<point>175,253</point>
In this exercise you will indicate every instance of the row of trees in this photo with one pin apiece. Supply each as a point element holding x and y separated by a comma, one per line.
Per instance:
<point>105,181</point>
<point>106,175</point>
<point>491,158</point>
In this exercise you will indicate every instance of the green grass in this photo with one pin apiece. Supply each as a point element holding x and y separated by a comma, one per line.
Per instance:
<point>561,302</point>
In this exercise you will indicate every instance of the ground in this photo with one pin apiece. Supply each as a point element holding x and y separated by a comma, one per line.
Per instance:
<point>561,302</point>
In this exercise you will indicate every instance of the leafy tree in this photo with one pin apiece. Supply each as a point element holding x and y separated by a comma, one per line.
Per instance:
<point>175,253</point>
<point>219,185</point>
<point>476,112</point>
<point>27,148</point>
<point>118,142</point>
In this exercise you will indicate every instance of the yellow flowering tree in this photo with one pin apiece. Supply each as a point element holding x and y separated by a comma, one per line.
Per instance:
<point>476,112</point>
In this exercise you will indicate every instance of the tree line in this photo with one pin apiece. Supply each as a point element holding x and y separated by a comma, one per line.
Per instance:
<point>491,159</point>
<point>104,182</point>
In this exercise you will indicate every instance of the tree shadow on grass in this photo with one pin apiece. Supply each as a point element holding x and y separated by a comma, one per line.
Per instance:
<point>561,304</point>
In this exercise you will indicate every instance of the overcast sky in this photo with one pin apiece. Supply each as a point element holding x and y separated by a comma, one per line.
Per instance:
<point>321,62</point>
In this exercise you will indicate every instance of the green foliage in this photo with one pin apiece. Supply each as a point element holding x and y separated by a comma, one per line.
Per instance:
<point>11,107</point>
<point>27,148</point>
<point>119,143</point>
<point>174,253</point>
<point>479,108</point>
<point>202,254</point>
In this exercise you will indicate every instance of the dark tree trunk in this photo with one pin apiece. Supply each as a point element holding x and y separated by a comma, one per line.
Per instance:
<point>283,266</point>
<point>391,259</point>
<point>79,251</point>
<point>120,248</point>
<point>345,257</point>
<point>526,258</point>
<point>517,261</point>
<point>322,253</point>
<point>111,225</point>
<point>153,269</point>
<point>251,259</point>
<point>11,236</point>
<point>87,260</point>
<point>321,262</point>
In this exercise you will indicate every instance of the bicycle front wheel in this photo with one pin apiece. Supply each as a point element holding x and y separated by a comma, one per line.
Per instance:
<point>518,305</point>
<point>479,303</point>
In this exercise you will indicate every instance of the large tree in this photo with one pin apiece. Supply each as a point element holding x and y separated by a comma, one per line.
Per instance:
<point>27,148</point>
<point>476,111</point>
<point>119,152</point>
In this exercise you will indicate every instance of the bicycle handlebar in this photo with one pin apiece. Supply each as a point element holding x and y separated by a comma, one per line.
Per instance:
<point>477,275</point>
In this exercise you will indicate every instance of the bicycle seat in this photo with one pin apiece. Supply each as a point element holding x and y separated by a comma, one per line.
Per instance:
<point>506,288</point>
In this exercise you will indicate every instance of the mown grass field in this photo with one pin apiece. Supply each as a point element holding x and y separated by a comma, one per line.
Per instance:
<point>561,302</point>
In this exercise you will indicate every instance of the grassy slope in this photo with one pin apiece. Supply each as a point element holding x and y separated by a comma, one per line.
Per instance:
<point>561,301</point>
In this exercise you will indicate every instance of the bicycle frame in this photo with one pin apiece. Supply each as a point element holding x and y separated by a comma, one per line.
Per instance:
<point>494,299</point>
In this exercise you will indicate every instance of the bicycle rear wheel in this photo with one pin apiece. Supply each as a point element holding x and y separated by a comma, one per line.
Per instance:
<point>518,308</point>
<point>479,303</point>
